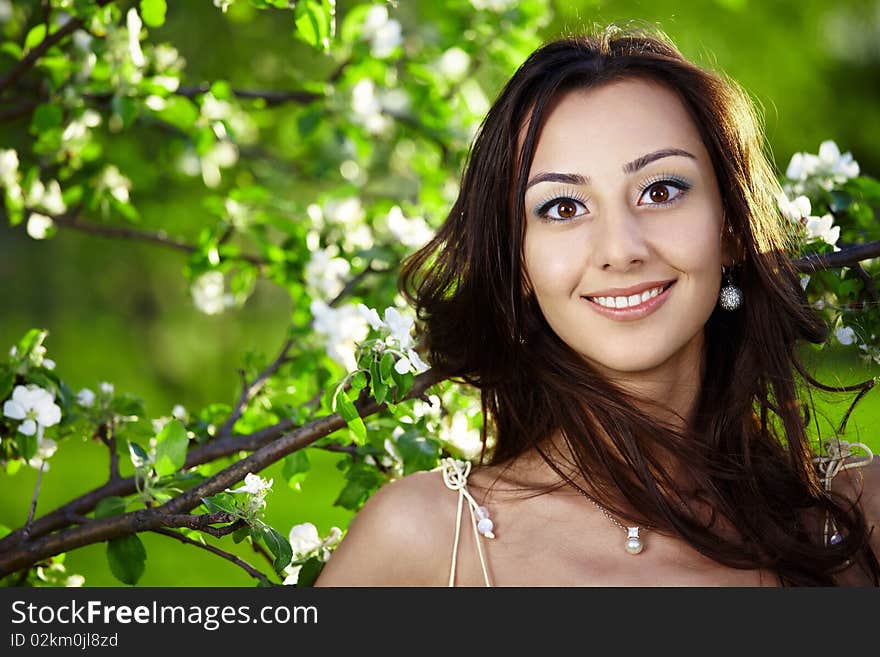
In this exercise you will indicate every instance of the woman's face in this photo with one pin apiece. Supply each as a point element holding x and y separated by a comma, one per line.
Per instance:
<point>623,228</point>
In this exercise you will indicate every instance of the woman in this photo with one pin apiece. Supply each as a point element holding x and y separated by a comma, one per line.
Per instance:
<point>648,423</point>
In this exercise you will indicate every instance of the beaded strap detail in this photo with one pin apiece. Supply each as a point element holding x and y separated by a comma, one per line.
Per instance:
<point>455,474</point>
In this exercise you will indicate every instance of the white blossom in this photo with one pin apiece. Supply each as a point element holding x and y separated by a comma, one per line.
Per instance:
<point>823,228</point>
<point>371,316</point>
<point>209,293</point>
<point>493,5</point>
<point>304,539</point>
<point>46,447</point>
<point>326,274</point>
<point>845,335</point>
<point>74,581</point>
<point>382,32</point>
<point>257,488</point>
<point>837,164</point>
<point>223,5</point>
<point>39,225</point>
<point>793,210</point>
<point>85,397</point>
<point>346,211</point>
<point>454,63</point>
<point>114,182</point>
<point>179,413</point>
<point>8,168</point>
<point>106,387</point>
<point>366,107</point>
<point>133,24</point>
<point>223,154</point>
<point>342,328</point>
<point>399,326</point>
<point>47,197</point>
<point>49,364</point>
<point>411,232</point>
<point>826,169</point>
<point>35,406</point>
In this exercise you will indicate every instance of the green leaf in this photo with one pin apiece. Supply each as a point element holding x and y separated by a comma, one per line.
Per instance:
<point>32,339</point>
<point>309,571</point>
<point>109,506</point>
<point>46,117</point>
<point>27,445</point>
<point>380,390</point>
<point>349,413</point>
<point>153,12</point>
<point>363,479</point>
<point>171,448</point>
<point>7,380</point>
<point>240,534</point>
<point>12,49</point>
<point>386,367</point>
<point>125,108</point>
<point>127,558</point>
<point>139,457</point>
<point>278,546</point>
<point>126,405</point>
<point>418,452</point>
<point>220,503</point>
<point>295,468</point>
<point>35,36</point>
<point>316,22</point>
<point>358,382</point>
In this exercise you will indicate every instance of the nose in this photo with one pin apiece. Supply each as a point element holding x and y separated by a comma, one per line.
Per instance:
<point>620,243</point>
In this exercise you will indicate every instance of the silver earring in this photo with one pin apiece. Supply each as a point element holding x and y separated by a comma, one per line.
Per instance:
<point>731,296</point>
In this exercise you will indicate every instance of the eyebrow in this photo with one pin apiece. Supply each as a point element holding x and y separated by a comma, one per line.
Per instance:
<point>630,167</point>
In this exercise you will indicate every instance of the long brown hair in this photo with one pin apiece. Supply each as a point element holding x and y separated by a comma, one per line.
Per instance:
<point>745,448</point>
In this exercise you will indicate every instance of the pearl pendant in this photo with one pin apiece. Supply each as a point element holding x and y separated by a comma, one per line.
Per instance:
<point>633,542</point>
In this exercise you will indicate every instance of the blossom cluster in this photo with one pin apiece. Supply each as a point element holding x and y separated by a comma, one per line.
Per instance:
<point>307,543</point>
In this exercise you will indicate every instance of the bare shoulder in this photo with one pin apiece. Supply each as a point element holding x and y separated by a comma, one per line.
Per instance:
<point>401,537</point>
<point>863,483</point>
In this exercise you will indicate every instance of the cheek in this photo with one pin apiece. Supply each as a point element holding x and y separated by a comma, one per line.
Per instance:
<point>552,264</point>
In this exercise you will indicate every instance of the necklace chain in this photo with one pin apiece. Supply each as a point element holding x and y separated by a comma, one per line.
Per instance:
<point>633,543</point>
<point>604,511</point>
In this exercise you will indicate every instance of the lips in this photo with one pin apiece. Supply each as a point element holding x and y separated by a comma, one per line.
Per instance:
<point>641,301</point>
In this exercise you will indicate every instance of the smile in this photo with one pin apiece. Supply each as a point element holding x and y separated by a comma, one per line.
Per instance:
<point>634,306</point>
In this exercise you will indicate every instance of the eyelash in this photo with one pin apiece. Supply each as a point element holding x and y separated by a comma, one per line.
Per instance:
<point>543,208</point>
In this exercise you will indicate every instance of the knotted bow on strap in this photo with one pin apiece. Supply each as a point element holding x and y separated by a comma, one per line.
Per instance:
<point>834,461</point>
<point>455,474</point>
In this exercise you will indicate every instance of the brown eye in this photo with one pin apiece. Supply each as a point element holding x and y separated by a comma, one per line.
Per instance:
<point>561,208</point>
<point>567,209</point>
<point>659,193</point>
<point>664,192</point>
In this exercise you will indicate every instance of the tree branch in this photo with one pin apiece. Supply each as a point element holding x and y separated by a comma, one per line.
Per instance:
<point>71,220</point>
<point>244,565</point>
<point>33,508</point>
<point>271,97</point>
<point>846,257</point>
<point>250,391</point>
<point>27,62</point>
<point>17,552</point>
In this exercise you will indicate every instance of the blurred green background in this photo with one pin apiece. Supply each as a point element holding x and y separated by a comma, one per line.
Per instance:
<point>121,311</point>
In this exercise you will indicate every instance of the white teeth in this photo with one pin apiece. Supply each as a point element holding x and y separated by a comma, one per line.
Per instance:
<point>628,302</point>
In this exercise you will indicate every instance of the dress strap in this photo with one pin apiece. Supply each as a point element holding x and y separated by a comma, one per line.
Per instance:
<point>837,451</point>
<point>455,474</point>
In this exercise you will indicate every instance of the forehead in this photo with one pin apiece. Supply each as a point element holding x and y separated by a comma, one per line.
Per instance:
<point>615,123</point>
